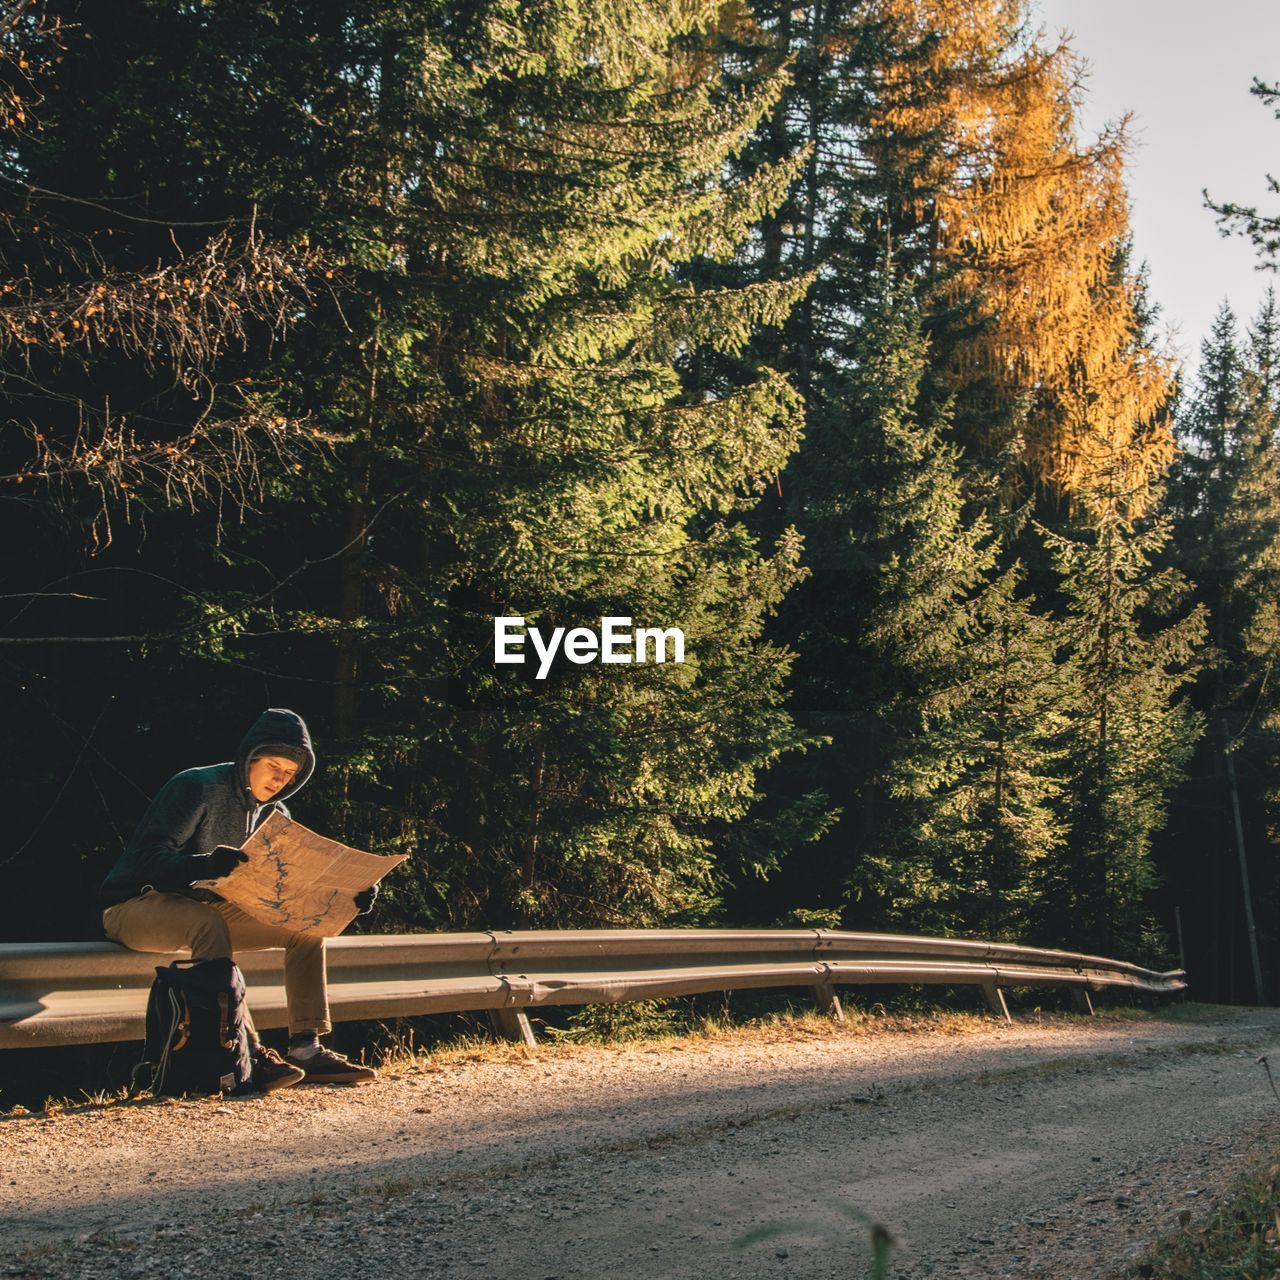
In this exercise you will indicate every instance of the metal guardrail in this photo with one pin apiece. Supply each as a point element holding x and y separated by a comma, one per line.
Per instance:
<point>80,992</point>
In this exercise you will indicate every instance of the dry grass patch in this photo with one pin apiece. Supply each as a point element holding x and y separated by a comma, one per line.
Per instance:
<point>1241,1241</point>
<point>664,1027</point>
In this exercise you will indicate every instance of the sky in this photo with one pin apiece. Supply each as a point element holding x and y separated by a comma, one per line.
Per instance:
<point>1183,68</point>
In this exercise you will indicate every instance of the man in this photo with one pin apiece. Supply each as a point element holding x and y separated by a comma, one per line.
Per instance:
<point>192,831</point>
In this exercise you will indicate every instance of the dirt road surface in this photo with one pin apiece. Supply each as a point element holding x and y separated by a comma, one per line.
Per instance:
<point>1052,1148</point>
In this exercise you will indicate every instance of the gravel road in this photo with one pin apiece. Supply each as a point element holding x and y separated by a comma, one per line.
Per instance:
<point>1056,1148</point>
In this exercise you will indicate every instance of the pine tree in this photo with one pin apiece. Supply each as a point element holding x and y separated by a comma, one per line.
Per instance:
<point>131,433</point>
<point>1036,320</point>
<point>529,343</point>
<point>881,97</point>
<point>986,771</point>
<point>1262,229</point>
<point>883,625</point>
<point>1227,487</point>
<point>1128,734</point>
<point>1264,347</point>
<point>1225,498</point>
<point>578,479</point>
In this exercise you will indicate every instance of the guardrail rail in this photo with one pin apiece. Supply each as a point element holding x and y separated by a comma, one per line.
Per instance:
<point>55,993</point>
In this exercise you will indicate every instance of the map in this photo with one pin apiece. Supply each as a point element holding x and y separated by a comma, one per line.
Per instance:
<point>299,880</point>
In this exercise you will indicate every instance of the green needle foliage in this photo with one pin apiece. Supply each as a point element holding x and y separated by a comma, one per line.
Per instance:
<point>1128,735</point>
<point>1225,505</point>
<point>988,772</point>
<point>1226,501</point>
<point>524,390</point>
<point>888,616</point>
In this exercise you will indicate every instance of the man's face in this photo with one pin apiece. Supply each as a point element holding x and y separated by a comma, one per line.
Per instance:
<point>269,775</point>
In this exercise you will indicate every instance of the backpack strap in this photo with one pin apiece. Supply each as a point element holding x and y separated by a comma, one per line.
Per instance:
<point>179,1022</point>
<point>225,1036</point>
<point>136,1081</point>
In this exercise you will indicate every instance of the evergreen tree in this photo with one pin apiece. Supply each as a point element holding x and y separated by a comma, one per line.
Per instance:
<point>884,623</point>
<point>501,201</point>
<point>1225,498</point>
<point>986,771</point>
<point>132,431</point>
<point>1228,504</point>
<point>1262,229</point>
<point>891,109</point>
<point>1027,228</point>
<point>1264,348</point>
<point>391,319</point>
<point>1128,732</point>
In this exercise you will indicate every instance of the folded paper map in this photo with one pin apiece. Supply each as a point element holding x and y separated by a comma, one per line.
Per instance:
<point>299,880</point>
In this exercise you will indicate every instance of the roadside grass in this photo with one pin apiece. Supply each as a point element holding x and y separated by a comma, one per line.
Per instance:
<point>1174,1011</point>
<point>675,1025</point>
<point>55,1107</point>
<point>1240,1241</point>
<point>694,1023</point>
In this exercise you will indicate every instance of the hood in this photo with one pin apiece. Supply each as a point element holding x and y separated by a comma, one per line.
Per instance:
<point>275,726</point>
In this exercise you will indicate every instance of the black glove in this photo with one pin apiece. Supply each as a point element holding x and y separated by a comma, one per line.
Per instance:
<point>221,862</point>
<point>366,898</point>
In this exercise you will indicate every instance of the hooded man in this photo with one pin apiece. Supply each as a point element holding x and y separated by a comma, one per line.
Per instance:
<point>192,831</point>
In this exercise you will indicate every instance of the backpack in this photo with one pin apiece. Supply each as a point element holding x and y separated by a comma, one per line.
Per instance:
<point>197,1037</point>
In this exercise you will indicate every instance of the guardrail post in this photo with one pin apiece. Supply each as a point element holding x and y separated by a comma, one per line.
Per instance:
<point>512,1024</point>
<point>995,1000</point>
<point>1083,1003</point>
<point>828,1002</point>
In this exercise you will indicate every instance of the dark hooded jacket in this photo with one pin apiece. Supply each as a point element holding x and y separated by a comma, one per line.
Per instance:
<point>199,809</point>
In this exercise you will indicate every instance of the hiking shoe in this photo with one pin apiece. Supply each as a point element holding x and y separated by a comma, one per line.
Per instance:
<point>327,1067</point>
<point>272,1072</point>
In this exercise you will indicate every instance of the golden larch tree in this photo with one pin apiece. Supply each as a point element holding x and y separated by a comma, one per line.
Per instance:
<point>1028,234</point>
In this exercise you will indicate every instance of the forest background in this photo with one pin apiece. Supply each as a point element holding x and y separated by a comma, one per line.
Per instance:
<point>332,330</point>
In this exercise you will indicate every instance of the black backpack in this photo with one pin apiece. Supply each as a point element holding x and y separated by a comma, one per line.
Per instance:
<point>197,1037</point>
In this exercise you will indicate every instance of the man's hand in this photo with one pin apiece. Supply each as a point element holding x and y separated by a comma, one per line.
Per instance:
<point>221,862</point>
<point>365,899</point>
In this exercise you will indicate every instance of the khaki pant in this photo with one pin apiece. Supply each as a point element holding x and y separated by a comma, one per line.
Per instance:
<point>216,930</point>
